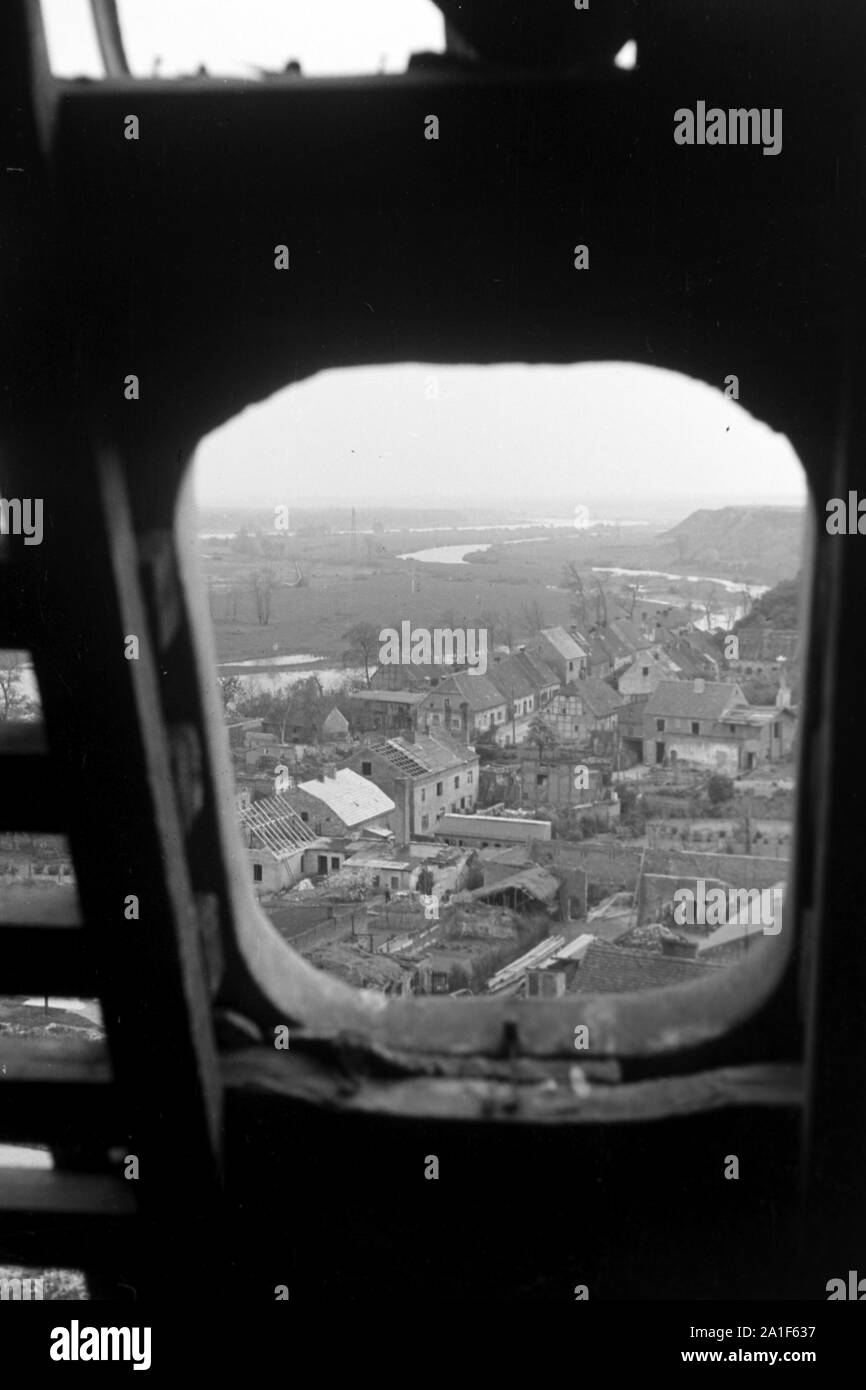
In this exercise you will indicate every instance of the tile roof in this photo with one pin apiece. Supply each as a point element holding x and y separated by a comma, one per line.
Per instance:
<point>278,826</point>
<point>609,969</point>
<point>600,699</point>
<point>427,754</point>
<point>593,646</point>
<point>690,659</point>
<point>536,669</point>
<point>351,797</point>
<point>616,648</point>
<point>629,633</point>
<point>681,699</point>
<point>478,692</point>
<point>511,679</point>
<point>567,646</point>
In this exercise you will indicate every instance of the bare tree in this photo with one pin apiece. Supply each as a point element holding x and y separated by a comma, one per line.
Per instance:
<point>14,704</point>
<point>632,591</point>
<point>363,640</point>
<point>541,733</point>
<point>230,689</point>
<point>707,601</point>
<point>490,621</point>
<point>572,581</point>
<point>262,584</point>
<point>534,615</point>
<point>507,631</point>
<point>600,606</point>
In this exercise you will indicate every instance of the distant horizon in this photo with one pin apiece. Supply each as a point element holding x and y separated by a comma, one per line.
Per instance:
<point>660,508</point>
<point>509,437</point>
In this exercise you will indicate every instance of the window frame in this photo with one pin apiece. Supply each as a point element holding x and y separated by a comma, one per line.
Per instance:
<point>294,987</point>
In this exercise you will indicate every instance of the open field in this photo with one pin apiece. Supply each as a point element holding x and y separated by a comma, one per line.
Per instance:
<point>347,583</point>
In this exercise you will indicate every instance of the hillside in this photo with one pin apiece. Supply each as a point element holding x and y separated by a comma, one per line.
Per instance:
<point>778,608</point>
<point>768,540</point>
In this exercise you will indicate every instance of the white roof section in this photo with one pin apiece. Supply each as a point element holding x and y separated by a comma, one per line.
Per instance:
<point>563,642</point>
<point>573,950</point>
<point>351,797</point>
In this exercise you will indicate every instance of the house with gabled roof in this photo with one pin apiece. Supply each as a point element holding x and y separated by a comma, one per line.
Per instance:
<point>630,634</point>
<point>694,655</point>
<point>712,724</point>
<point>513,681</point>
<point>276,838</point>
<point>340,800</point>
<point>386,711</point>
<point>545,681</point>
<point>335,725</point>
<point>425,775</point>
<point>598,659</point>
<point>620,653</point>
<point>581,708</point>
<point>463,705</point>
<point>562,653</point>
<point>646,673</point>
<point>610,969</point>
<point>414,675</point>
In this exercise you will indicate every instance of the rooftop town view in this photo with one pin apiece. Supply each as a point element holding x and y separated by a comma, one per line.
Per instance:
<point>583,784</point>
<point>519,800</point>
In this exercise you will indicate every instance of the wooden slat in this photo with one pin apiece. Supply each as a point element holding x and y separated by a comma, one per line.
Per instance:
<point>32,797</point>
<point>46,1192</point>
<point>56,1092</point>
<point>72,1220</point>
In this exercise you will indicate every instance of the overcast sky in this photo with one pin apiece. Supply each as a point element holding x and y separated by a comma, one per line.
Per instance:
<point>504,434</point>
<point>328,37</point>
